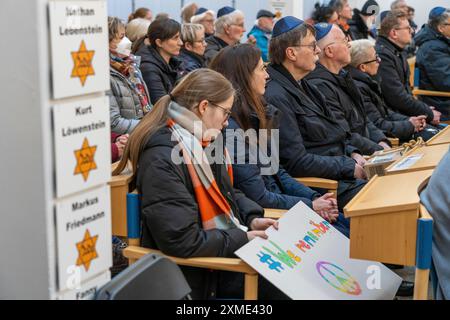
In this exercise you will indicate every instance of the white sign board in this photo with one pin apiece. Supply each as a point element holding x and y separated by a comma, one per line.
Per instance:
<point>407,162</point>
<point>83,227</point>
<point>308,259</point>
<point>82,145</point>
<point>87,290</point>
<point>79,47</point>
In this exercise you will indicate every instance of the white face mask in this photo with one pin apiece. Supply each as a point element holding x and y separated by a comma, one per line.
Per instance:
<point>124,47</point>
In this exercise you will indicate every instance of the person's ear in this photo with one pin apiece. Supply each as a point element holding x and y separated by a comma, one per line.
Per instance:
<point>189,46</point>
<point>202,106</point>
<point>291,54</point>
<point>328,52</point>
<point>440,29</point>
<point>158,43</point>
<point>227,29</point>
<point>363,68</point>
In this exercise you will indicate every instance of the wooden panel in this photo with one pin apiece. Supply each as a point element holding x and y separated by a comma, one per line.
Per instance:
<point>442,137</point>
<point>224,264</point>
<point>119,189</point>
<point>432,155</point>
<point>386,194</point>
<point>388,238</point>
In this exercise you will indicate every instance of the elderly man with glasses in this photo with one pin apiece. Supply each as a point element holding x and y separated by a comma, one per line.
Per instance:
<point>342,95</point>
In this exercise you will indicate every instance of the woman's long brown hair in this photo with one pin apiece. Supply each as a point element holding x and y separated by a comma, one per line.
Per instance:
<point>199,85</point>
<point>237,64</point>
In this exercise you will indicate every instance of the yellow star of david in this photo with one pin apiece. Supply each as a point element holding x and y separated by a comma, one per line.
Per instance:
<point>82,60</point>
<point>85,159</point>
<point>86,250</point>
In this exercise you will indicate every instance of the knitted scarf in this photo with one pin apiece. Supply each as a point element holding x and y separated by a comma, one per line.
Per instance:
<point>215,211</point>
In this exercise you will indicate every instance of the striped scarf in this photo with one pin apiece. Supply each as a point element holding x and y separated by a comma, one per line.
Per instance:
<point>215,211</point>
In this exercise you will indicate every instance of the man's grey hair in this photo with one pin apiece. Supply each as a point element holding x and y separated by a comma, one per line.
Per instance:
<point>360,51</point>
<point>227,20</point>
<point>200,17</point>
<point>440,20</point>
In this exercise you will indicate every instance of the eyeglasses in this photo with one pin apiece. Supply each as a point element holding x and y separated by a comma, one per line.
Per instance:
<point>411,29</point>
<point>201,41</point>
<point>226,111</point>
<point>312,45</point>
<point>377,59</point>
<point>238,25</point>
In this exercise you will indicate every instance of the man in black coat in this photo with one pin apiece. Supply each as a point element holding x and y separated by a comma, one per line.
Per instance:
<point>340,91</point>
<point>363,68</point>
<point>312,141</point>
<point>433,58</point>
<point>394,36</point>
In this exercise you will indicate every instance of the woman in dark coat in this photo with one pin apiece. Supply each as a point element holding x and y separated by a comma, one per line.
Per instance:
<point>158,51</point>
<point>363,69</point>
<point>262,180</point>
<point>194,45</point>
<point>189,207</point>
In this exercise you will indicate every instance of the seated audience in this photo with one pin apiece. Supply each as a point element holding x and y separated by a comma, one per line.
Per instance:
<point>189,206</point>
<point>158,52</point>
<point>192,54</point>
<point>435,198</point>
<point>229,29</point>
<point>363,69</point>
<point>244,67</point>
<point>342,96</point>
<point>433,59</point>
<point>205,17</point>
<point>312,142</point>
<point>129,97</point>
<point>262,32</point>
<point>137,29</point>
<point>363,20</point>
<point>394,36</point>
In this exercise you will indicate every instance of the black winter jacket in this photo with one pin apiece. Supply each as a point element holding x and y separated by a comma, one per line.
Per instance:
<point>312,142</point>
<point>346,102</point>
<point>392,123</point>
<point>159,76</point>
<point>170,216</point>
<point>190,61</point>
<point>394,80</point>
<point>358,27</point>
<point>214,46</point>
<point>433,61</point>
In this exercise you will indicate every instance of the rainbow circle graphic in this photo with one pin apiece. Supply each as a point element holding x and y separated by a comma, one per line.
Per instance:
<point>338,278</point>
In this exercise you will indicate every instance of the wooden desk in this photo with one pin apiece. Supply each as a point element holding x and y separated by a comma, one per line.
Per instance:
<point>432,155</point>
<point>442,137</point>
<point>119,189</point>
<point>384,218</point>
